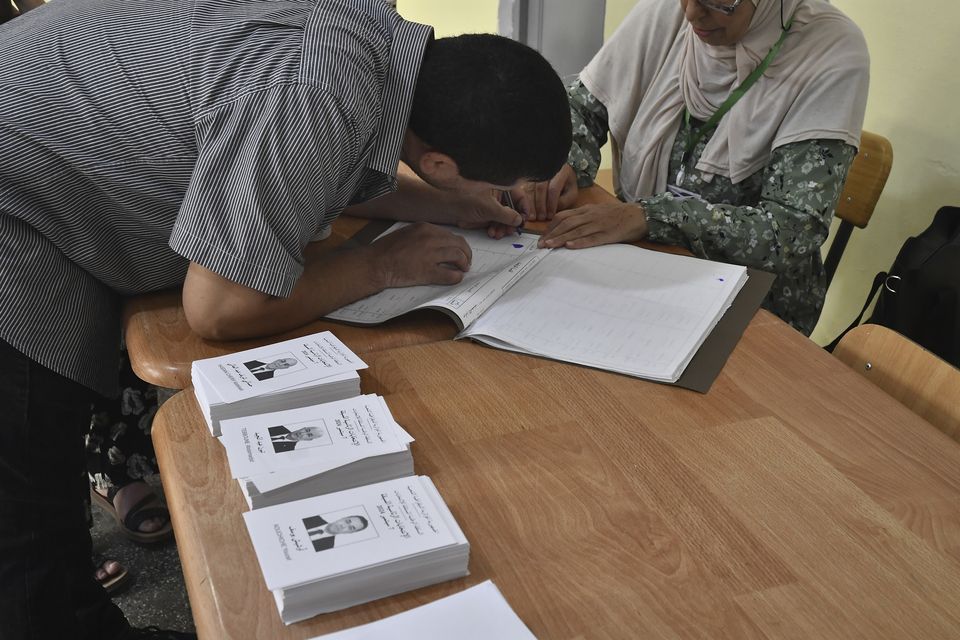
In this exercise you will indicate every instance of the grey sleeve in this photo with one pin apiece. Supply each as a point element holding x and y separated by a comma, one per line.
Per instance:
<point>269,163</point>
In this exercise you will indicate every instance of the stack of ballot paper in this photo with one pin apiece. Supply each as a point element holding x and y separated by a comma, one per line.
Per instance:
<point>477,613</point>
<point>295,373</point>
<point>341,549</point>
<point>299,453</point>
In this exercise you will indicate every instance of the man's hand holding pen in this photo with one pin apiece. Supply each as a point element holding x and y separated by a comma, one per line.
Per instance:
<point>497,231</point>
<point>542,200</point>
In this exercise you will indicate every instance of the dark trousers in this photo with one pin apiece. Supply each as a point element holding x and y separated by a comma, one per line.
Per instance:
<point>47,589</point>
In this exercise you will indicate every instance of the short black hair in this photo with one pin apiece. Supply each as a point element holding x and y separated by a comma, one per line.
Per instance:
<point>495,106</point>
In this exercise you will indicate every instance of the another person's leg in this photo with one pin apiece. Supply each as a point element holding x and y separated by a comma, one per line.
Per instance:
<point>47,588</point>
<point>110,574</point>
<point>120,457</point>
<point>7,12</point>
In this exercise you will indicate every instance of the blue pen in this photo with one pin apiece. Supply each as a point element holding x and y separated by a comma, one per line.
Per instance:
<point>509,203</point>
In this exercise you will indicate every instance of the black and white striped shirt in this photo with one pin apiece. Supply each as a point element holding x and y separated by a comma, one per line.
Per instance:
<point>140,135</point>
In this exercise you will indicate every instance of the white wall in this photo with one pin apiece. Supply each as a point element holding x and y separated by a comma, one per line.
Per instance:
<point>452,17</point>
<point>914,93</point>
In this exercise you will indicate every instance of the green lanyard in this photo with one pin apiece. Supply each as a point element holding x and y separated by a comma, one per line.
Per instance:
<point>731,100</point>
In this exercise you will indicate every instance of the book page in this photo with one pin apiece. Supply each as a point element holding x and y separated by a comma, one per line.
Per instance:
<point>615,307</point>
<point>477,613</point>
<point>274,367</point>
<point>496,265</point>
<point>295,542</point>
<point>321,437</point>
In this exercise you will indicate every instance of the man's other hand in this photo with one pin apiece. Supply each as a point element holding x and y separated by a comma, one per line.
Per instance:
<point>422,253</point>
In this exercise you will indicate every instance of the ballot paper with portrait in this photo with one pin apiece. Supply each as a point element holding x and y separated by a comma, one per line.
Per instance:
<point>294,373</point>
<point>341,549</point>
<point>298,453</point>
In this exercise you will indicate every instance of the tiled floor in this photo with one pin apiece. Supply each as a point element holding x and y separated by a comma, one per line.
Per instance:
<point>157,595</point>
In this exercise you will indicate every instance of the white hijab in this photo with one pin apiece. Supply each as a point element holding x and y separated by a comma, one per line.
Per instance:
<point>654,66</point>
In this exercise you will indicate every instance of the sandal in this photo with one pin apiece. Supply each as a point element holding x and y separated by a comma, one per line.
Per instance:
<point>114,582</point>
<point>150,506</point>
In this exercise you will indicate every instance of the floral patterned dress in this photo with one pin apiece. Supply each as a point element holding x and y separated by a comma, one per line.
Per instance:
<point>775,220</point>
<point>118,443</point>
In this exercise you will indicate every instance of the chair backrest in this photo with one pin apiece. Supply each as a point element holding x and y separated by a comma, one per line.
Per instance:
<point>927,385</point>
<point>865,181</point>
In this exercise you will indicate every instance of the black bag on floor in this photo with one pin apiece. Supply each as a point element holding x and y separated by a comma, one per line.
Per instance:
<point>920,296</point>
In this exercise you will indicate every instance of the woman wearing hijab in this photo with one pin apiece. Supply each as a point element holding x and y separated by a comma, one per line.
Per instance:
<point>733,125</point>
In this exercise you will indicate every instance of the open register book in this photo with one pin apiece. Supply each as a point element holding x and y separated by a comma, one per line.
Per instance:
<point>299,453</point>
<point>616,307</point>
<point>337,550</point>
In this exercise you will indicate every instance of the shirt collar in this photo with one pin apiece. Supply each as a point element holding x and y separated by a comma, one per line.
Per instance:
<point>406,56</point>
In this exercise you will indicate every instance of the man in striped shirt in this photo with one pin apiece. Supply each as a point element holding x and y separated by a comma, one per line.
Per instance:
<point>205,143</point>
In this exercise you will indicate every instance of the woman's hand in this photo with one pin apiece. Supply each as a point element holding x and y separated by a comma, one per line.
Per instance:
<point>542,200</point>
<point>596,224</point>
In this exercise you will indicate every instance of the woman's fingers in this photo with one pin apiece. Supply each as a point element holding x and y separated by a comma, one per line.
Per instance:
<point>596,224</point>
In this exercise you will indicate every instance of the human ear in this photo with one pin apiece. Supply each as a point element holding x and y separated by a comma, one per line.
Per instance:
<point>438,168</point>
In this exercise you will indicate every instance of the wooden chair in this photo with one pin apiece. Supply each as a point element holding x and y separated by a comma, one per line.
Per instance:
<point>927,385</point>
<point>865,182</point>
<point>605,179</point>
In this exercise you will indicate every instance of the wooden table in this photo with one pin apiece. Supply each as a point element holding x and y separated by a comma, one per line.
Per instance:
<point>162,346</point>
<point>795,500</point>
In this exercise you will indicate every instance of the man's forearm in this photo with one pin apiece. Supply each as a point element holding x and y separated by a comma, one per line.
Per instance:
<point>413,201</point>
<point>219,309</point>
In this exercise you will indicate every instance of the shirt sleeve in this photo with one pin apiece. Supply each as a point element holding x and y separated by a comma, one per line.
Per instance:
<point>589,119</point>
<point>800,188</point>
<point>268,168</point>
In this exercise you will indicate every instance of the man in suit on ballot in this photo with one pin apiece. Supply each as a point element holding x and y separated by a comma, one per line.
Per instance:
<point>284,439</point>
<point>266,370</point>
<point>323,534</point>
<point>203,144</point>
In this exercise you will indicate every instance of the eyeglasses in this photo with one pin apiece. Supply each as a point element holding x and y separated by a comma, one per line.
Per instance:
<point>725,7</point>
